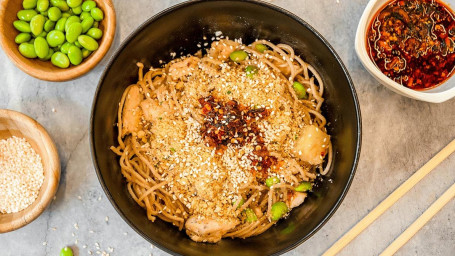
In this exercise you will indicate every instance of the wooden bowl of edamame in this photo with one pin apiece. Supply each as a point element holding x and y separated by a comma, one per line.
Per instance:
<point>56,40</point>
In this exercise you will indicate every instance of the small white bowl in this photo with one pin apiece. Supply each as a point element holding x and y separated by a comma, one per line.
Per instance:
<point>439,94</point>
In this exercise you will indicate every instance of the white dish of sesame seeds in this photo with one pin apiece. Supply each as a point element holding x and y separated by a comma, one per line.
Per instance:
<point>29,170</point>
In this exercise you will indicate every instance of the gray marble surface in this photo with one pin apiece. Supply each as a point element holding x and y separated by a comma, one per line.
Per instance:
<point>399,136</point>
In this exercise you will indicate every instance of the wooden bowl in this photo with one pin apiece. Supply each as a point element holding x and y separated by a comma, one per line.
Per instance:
<point>13,123</point>
<point>44,70</point>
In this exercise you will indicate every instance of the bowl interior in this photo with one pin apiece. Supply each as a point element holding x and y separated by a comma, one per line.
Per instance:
<point>44,69</point>
<point>16,124</point>
<point>179,30</point>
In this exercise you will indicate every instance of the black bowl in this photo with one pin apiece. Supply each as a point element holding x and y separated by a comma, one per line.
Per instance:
<point>179,29</point>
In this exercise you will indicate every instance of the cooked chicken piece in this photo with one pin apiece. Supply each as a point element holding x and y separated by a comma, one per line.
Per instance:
<point>206,229</point>
<point>311,145</point>
<point>296,199</point>
<point>183,68</point>
<point>131,111</point>
<point>154,111</point>
<point>221,50</point>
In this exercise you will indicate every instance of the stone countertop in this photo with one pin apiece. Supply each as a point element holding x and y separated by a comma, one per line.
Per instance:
<point>399,136</point>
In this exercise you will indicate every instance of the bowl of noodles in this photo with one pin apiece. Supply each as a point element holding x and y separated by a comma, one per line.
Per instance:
<point>225,127</point>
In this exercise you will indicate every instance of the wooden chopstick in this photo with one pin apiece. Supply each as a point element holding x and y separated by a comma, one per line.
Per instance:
<point>420,222</point>
<point>391,199</point>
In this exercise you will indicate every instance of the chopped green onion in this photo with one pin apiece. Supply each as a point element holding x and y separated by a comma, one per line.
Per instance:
<point>271,181</point>
<point>173,149</point>
<point>304,186</point>
<point>299,90</point>
<point>228,92</point>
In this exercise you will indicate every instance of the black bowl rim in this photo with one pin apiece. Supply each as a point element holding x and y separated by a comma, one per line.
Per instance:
<point>263,4</point>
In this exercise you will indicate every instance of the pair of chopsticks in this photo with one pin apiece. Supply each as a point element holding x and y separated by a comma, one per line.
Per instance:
<point>392,199</point>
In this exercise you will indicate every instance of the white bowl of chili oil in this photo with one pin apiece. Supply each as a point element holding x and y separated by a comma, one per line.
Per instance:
<point>408,46</point>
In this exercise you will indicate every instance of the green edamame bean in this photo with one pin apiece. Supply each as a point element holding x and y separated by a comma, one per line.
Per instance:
<point>85,15</point>
<point>42,5</point>
<point>96,24</point>
<point>87,23</point>
<point>37,24</point>
<point>86,53</point>
<point>41,47</point>
<point>65,47</point>
<point>49,25</point>
<point>66,251</point>
<point>78,44</point>
<point>73,3</point>
<point>75,55</point>
<point>272,181</point>
<point>299,90</point>
<point>62,5</point>
<point>88,6</point>
<point>88,42</point>
<point>260,47</point>
<point>73,32</point>
<point>279,209</point>
<point>250,215</point>
<point>77,10</point>
<point>29,4</point>
<point>43,34</point>
<point>60,60</point>
<point>27,50</point>
<point>66,15</point>
<point>53,2</point>
<point>71,20</point>
<point>22,38</point>
<point>49,55</point>
<point>54,13</point>
<point>26,15</point>
<point>55,38</point>
<point>97,14</point>
<point>251,71</point>
<point>60,25</point>
<point>95,33</point>
<point>32,41</point>
<point>45,13</point>
<point>238,56</point>
<point>304,186</point>
<point>22,26</point>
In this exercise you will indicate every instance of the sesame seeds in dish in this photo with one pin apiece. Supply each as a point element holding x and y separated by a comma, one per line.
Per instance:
<point>224,143</point>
